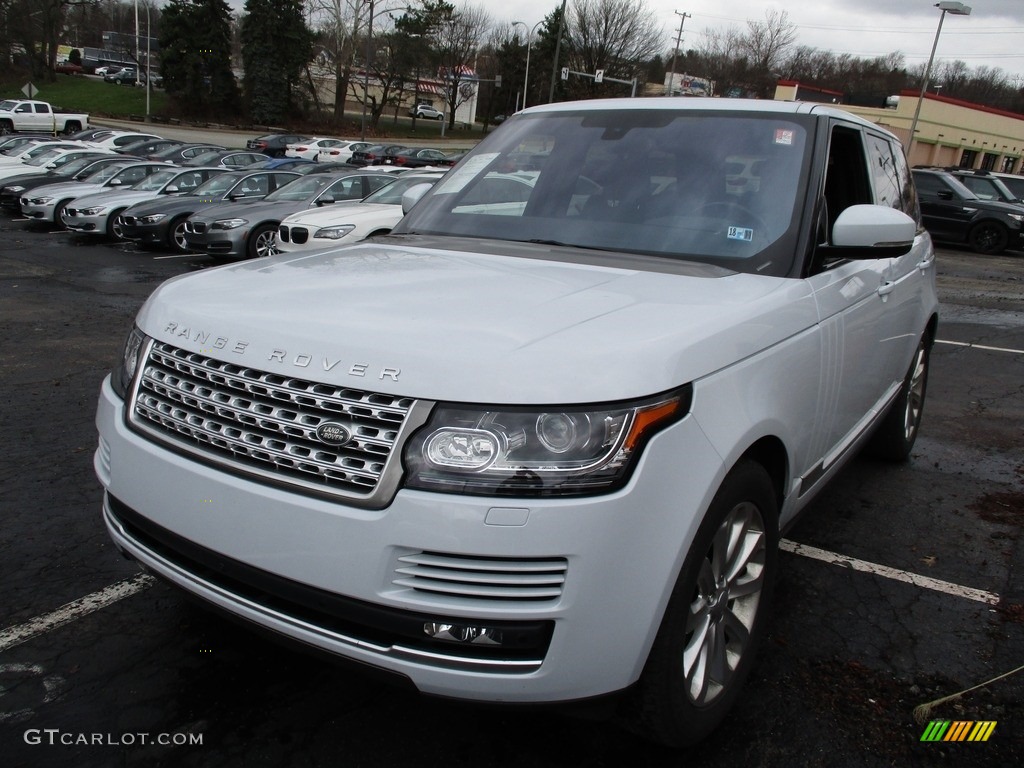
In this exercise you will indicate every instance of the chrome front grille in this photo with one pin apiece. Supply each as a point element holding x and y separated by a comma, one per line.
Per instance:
<point>195,227</point>
<point>300,235</point>
<point>282,233</point>
<point>482,578</point>
<point>266,424</point>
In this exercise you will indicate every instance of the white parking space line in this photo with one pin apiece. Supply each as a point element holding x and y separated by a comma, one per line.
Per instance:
<point>981,346</point>
<point>76,609</point>
<point>889,573</point>
<point>175,256</point>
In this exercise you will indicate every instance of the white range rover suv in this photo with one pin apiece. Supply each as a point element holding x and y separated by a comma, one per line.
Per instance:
<point>539,448</point>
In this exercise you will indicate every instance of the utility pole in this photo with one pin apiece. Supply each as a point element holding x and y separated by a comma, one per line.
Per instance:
<point>679,35</point>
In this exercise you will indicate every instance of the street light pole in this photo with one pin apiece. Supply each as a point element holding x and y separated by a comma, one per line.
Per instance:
<point>366,71</point>
<point>957,9</point>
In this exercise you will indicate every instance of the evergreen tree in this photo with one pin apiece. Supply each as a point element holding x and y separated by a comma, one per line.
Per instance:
<point>276,47</point>
<point>195,58</point>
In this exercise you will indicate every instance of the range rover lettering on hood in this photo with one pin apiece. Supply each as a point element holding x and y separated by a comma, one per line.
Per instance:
<point>211,342</point>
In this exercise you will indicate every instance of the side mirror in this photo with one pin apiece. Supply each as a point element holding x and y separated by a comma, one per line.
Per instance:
<point>116,182</point>
<point>413,194</point>
<point>871,232</point>
<point>171,190</point>
<point>325,200</point>
<point>945,194</point>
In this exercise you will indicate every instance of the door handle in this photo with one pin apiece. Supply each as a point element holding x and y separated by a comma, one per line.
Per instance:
<point>886,288</point>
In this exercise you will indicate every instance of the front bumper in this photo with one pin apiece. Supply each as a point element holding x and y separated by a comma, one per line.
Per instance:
<point>217,242</point>
<point>225,537</point>
<point>148,234</point>
<point>39,211</point>
<point>91,225</point>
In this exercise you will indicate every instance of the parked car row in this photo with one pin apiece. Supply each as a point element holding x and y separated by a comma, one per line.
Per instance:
<point>196,197</point>
<point>975,208</point>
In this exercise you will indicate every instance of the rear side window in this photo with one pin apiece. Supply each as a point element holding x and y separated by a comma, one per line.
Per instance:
<point>884,176</point>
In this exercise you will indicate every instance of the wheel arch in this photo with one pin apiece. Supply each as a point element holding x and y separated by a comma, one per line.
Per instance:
<point>770,452</point>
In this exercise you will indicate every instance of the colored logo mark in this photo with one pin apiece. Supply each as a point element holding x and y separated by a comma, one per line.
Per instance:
<point>958,730</point>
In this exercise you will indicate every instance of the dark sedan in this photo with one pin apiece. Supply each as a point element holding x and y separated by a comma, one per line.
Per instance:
<point>250,228</point>
<point>183,152</point>
<point>374,153</point>
<point>415,157</point>
<point>229,158</point>
<point>162,222</point>
<point>274,144</point>
<point>146,147</point>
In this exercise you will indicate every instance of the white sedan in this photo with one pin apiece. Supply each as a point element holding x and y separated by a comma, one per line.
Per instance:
<point>341,153</point>
<point>311,148</point>
<point>343,223</point>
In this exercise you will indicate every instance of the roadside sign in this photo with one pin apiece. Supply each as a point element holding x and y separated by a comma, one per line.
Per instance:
<point>30,91</point>
<point>565,73</point>
<point>599,76</point>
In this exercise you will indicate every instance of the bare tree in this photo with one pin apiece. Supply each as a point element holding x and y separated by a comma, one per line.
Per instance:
<point>766,44</point>
<point>617,36</point>
<point>457,37</point>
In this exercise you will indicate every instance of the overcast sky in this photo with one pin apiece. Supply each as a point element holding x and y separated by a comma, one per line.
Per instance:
<point>993,35</point>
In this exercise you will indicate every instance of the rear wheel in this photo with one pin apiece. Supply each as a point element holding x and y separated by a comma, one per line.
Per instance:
<point>72,127</point>
<point>895,436</point>
<point>262,241</point>
<point>716,616</point>
<point>176,235</point>
<point>989,237</point>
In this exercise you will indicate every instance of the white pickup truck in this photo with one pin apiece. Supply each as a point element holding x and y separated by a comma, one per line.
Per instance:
<point>38,117</point>
<point>539,443</point>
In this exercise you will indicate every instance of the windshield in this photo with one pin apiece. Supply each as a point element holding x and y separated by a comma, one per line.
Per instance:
<point>716,187</point>
<point>216,186</point>
<point>72,167</point>
<point>107,172</point>
<point>155,182</point>
<point>206,158</point>
<point>392,193</point>
<point>42,157</point>
<point>299,190</point>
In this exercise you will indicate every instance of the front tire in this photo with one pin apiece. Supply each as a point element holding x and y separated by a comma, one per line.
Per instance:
<point>716,616</point>
<point>989,238</point>
<point>262,241</point>
<point>114,231</point>
<point>894,439</point>
<point>176,235</point>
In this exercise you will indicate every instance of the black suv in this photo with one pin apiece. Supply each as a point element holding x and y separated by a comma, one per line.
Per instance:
<point>953,213</point>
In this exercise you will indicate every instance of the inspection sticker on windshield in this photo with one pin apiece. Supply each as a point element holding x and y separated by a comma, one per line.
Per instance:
<point>740,233</point>
<point>784,136</point>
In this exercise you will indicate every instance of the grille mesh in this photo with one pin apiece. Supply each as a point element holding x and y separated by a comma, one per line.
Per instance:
<point>267,422</point>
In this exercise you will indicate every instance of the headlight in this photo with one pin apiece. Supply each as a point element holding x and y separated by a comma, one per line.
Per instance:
<point>40,200</point>
<point>229,223</point>
<point>14,189</point>
<point>152,218</point>
<point>1018,217</point>
<point>536,451</point>
<point>95,210</point>
<point>334,233</point>
<point>121,379</point>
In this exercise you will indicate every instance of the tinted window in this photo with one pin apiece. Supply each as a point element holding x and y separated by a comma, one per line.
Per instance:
<point>884,175</point>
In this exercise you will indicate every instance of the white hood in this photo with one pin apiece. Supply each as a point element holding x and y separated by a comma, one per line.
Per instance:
<point>339,213</point>
<point>476,328</point>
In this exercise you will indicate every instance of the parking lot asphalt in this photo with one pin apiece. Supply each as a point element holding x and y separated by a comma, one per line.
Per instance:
<point>902,585</point>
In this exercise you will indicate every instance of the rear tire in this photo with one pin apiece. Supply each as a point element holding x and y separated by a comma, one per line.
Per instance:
<point>894,439</point>
<point>716,616</point>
